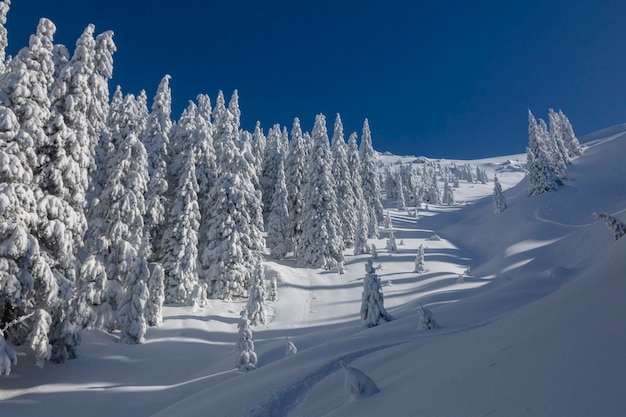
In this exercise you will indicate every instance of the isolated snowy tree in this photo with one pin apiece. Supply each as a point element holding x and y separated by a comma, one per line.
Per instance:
<point>156,140</point>
<point>257,313</point>
<point>499,201</point>
<point>372,303</point>
<point>290,347</point>
<point>426,319</point>
<point>246,357</point>
<point>419,261</point>
<point>371,184</point>
<point>295,179</point>
<point>180,242</point>
<point>615,225</point>
<point>321,244</point>
<point>387,222</point>
<point>346,199</point>
<point>156,296</point>
<point>132,310</point>
<point>358,384</point>
<point>392,246</point>
<point>278,222</point>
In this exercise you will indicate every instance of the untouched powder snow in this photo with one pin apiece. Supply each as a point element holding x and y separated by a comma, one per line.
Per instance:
<point>534,330</point>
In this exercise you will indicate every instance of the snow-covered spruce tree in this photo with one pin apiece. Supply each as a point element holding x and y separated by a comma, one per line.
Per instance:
<point>615,225</point>
<point>98,112</point>
<point>392,246</point>
<point>272,294</point>
<point>539,165</point>
<point>156,140</point>
<point>556,139</point>
<point>121,211</point>
<point>269,170</point>
<point>246,357</point>
<point>156,296</point>
<point>448,194</point>
<point>258,147</point>
<point>400,192</point>
<point>257,313</point>
<point>235,223</point>
<point>569,138</point>
<point>278,223</point>
<point>432,195</point>
<point>206,170</point>
<point>481,175</point>
<point>24,89</point>
<point>180,242</point>
<point>389,184</point>
<point>132,311</point>
<point>372,302</point>
<point>28,288</point>
<point>499,201</point>
<point>387,222</point>
<point>371,184</point>
<point>346,200</point>
<point>321,244</point>
<point>360,239</point>
<point>64,175</point>
<point>557,154</point>
<point>295,178</point>
<point>354,164</point>
<point>4,39</point>
<point>419,261</point>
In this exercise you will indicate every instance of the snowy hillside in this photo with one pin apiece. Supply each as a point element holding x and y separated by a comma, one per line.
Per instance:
<point>535,328</point>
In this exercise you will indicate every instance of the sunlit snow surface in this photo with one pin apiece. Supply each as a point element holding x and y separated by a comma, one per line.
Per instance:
<point>535,330</point>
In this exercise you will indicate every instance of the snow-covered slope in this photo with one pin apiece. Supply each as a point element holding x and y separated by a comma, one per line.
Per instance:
<point>535,330</point>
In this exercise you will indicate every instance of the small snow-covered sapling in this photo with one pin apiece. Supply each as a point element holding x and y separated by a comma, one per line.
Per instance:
<point>290,348</point>
<point>357,383</point>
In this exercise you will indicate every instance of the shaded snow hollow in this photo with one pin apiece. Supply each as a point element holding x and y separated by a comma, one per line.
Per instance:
<point>535,330</point>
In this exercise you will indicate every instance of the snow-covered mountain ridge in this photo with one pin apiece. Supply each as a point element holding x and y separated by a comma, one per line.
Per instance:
<point>533,331</point>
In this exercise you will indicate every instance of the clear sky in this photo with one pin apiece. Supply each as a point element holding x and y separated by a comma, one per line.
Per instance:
<point>439,78</point>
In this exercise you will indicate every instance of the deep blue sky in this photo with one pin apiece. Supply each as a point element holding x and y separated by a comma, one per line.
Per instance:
<point>439,78</point>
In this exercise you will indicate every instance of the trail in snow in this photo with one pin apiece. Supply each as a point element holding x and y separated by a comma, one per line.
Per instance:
<point>286,398</point>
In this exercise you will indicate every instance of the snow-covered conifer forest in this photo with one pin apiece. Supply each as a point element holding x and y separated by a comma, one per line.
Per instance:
<point>172,265</point>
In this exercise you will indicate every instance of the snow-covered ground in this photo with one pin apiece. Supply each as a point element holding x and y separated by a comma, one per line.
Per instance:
<point>536,330</point>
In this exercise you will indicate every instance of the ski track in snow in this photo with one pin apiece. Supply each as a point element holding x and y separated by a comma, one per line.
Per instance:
<point>285,399</point>
<point>536,216</point>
